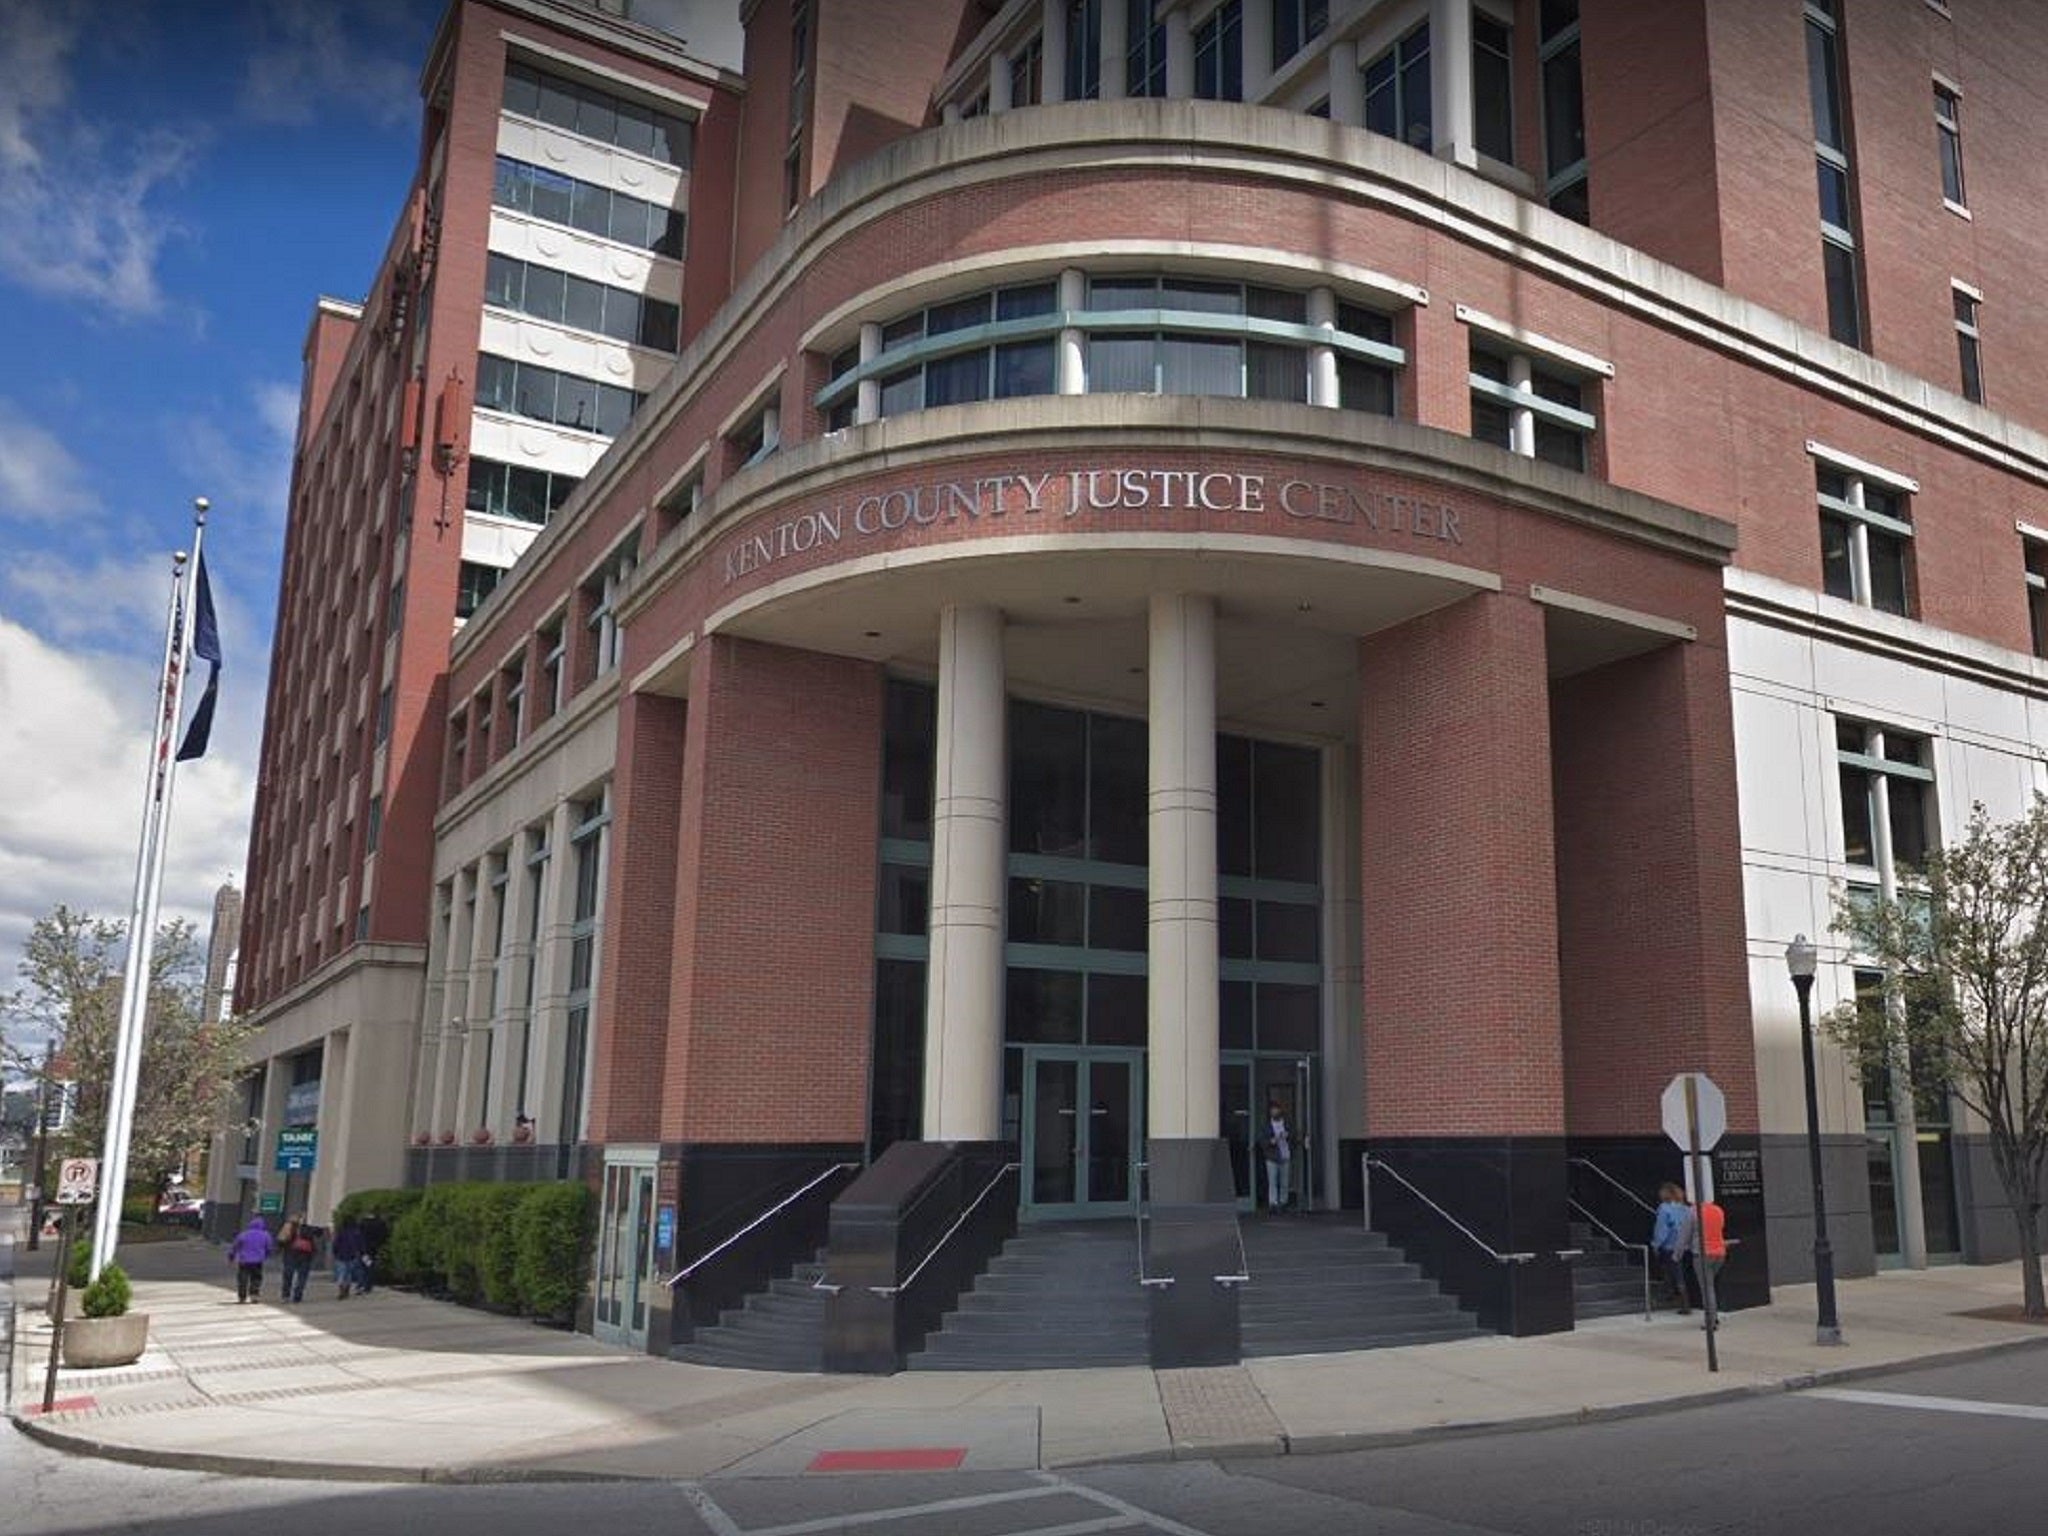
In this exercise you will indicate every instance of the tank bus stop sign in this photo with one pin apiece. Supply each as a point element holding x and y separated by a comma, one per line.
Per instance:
<point>1696,1117</point>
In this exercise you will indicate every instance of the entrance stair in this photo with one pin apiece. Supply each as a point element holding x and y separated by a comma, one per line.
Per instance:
<point>1321,1284</point>
<point>1607,1281</point>
<point>781,1328</point>
<point>1058,1295</point>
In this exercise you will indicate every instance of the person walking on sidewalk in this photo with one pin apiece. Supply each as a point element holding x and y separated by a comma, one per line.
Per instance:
<point>247,1252</point>
<point>296,1245</point>
<point>1713,1245</point>
<point>1278,1143</point>
<point>1672,1236</point>
<point>347,1252</point>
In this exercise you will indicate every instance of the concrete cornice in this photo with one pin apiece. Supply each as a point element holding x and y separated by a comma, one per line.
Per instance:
<point>352,966</point>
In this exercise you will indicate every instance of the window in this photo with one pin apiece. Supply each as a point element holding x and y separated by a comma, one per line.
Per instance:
<point>553,659</point>
<point>1887,779</point>
<point>1219,54</point>
<point>1493,88</point>
<point>384,715</point>
<point>1084,50</point>
<point>755,438</point>
<point>799,39</point>
<point>680,505</point>
<point>542,394</point>
<point>793,176</point>
<point>608,640</point>
<point>1145,59</point>
<point>595,210</point>
<point>1836,177</point>
<point>598,114</point>
<point>1948,133</point>
<point>1529,406</point>
<point>1397,91</point>
<point>515,491</point>
<point>373,824</point>
<point>475,582</point>
<point>1968,342</point>
<point>1027,65</point>
<point>1564,109</point>
<point>512,705</point>
<point>1866,540</point>
<point>587,849</point>
<point>2035,551</point>
<point>1296,24</point>
<point>548,294</point>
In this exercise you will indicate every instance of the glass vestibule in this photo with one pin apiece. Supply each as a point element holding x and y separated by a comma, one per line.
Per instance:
<point>1075,1003</point>
<point>1251,1084</point>
<point>625,1249</point>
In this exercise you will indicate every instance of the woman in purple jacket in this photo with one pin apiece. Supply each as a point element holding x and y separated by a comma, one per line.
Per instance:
<point>247,1252</point>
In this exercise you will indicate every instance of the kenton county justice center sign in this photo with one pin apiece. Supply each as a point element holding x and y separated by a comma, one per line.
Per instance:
<point>1063,495</point>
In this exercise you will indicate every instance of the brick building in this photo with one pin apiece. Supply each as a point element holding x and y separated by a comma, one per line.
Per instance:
<point>1380,558</point>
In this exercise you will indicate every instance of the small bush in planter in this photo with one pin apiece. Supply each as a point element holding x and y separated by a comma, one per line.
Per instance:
<point>79,1274</point>
<point>108,1296</point>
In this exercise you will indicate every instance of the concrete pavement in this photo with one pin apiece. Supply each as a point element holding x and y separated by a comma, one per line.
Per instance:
<point>396,1387</point>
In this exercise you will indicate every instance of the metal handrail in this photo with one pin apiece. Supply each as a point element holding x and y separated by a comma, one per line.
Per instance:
<point>1619,1241</point>
<point>1367,1162</point>
<point>1141,1186</point>
<point>1611,1179</point>
<point>908,1280</point>
<point>704,1258</point>
<point>1244,1266</point>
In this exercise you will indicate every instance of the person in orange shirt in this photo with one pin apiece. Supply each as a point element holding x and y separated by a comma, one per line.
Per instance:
<point>1713,1224</point>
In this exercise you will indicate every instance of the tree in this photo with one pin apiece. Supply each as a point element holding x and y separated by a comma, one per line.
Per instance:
<point>1964,1005</point>
<point>71,991</point>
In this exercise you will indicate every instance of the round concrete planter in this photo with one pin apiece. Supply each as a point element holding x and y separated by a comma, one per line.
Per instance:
<point>93,1342</point>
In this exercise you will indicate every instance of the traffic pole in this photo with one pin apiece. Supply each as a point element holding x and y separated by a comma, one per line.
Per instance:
<point>65,1222</point>
<point>1697,1163</point>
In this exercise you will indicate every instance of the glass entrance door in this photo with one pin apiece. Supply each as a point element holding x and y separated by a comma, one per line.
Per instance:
<point>625,1253</point>
<point>1083,1125</point>
<point>1250,1084</point>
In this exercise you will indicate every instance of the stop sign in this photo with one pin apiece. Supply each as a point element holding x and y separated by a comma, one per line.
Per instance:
<point>1709,1105</point>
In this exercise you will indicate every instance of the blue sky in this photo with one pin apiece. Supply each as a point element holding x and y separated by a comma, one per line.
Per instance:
<point>179,180</point>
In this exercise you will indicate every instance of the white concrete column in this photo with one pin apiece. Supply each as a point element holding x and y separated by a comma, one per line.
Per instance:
<point>1180,55</point>
<point>963,1070</point>
<point>1322,358</point>
<point>1070,367</point>
<point>1522,420</point>
<point>1116,46</point>
<point>1450,81</point>
<point>867,398</point>
<point>1347,86</point>
<point>1912,1212</point>
<point>1181,947</point>
<point>551,976</point>
<point>1052,48</point>
<point>999,81</point>
<point>1255,33</point>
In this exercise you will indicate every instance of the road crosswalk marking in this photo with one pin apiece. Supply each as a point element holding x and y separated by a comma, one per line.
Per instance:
<point>1929,1404</point>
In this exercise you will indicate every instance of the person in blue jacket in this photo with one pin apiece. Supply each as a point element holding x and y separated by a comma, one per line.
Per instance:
<point>1671,1235</point>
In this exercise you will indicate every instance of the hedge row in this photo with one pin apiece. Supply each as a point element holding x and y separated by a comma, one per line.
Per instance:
<point>517,1247</point>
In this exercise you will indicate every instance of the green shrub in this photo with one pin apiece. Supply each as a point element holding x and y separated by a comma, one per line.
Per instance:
<point>553,1229</point>
<point>498,1247</point>
<point>107,1296</point>
<point>138,1210</point>
<point>79,1271</point>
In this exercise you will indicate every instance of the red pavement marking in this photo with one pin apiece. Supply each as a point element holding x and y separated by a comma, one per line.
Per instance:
<point>923,1458</point>
<point>62,1405</point>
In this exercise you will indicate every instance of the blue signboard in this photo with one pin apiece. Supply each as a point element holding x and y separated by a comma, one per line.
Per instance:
<point>664,1229</point>
<point>296,1149</point>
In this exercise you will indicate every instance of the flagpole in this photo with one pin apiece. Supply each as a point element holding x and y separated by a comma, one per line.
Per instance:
<point>135,988</point>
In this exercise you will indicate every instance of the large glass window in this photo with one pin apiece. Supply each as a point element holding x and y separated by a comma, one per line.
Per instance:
<point>1948,132</point>
<point>548,294</point>
<point>1493,87</point>
<point>598,114</point>
<point>516,491</point>
<point>1866,540</point>
<point>1888,809</point>
<point>1564,110</point>
<point>1839,261</point>
<point>1145,55</point>
<point>1084,50</point>
<point>1296,24</point>
<point>1219,54</point>
<point>559,199</point>
<point>475,582</point>
<point>1969,342</point>
<point>542,394</point>
<point>1529,406</point>
<point>1397,91</point>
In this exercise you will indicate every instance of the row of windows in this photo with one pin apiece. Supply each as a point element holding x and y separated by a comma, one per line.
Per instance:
<point>598,114</point>
<point>543,394</point>
<point>475,582</point>
<point>516,491</point>
<point>549,294</point>
<point>584,205</point>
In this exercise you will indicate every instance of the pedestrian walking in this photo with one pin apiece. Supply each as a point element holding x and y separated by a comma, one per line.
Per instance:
<point>252,1245</point>
<point>347,1253</point>
<point>1671,1235</point>
<point>1278,1144</point>
<point>376,1233</point>
<point>297,1243</point>
<point>1713,1223</point>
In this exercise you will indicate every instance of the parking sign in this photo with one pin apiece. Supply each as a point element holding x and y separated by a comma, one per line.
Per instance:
<point>77,1179</point>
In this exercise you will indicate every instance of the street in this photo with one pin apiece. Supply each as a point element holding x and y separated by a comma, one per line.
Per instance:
<point>1953,1449</point>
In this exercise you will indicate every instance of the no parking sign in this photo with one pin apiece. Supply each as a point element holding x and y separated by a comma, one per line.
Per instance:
<point>77,1180</point>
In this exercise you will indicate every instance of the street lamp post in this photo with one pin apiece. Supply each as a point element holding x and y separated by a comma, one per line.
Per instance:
<point>1800,960</point>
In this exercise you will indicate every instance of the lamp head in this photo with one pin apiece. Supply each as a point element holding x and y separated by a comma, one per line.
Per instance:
<point>1801,959</point>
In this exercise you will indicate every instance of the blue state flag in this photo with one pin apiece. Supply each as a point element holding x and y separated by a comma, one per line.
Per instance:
<point>205,643</point>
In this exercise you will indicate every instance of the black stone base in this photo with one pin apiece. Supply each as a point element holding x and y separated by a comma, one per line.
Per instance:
<point>1510,1192</point>
<point>1191,1239</point>
<point>1642,1163</point>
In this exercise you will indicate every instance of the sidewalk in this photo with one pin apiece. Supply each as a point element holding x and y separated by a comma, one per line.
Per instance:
<point>395,1387</point>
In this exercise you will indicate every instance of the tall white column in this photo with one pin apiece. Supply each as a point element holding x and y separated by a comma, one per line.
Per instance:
<point>1450,80</point>
<point>1256,39</point>
<point>1322,358</point>
<point>963,1066</point>
<point>1070,366</point>
<point>1180,55</point>
<point>1052,44</point>
<point>1347,86</point>
<point>867,397</point>
<point>1181,936</point>
<point>1522,420</point>
<point>1116,45</point>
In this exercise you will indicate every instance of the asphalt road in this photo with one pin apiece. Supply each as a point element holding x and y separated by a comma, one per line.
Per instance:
<point>1951,1451</point>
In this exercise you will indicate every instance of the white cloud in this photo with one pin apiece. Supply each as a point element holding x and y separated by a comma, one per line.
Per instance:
<point>80,220</point>
<point>39,479</point>
<point>74,737</point>
<point>312,53</point>
<point>241,459</point>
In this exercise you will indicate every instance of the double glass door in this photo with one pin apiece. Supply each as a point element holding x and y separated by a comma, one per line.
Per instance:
<point>1251,1083</point>
<point>625,1252</point>
<point>1083,1130</point>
